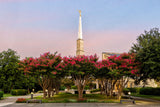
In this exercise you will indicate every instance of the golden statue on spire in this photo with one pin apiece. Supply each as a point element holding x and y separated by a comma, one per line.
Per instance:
<point>80,12</point>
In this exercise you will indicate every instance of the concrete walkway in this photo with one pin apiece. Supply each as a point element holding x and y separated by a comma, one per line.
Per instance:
<point>143,102</point>
<point>11,100</point>
<point>82,105</point>
<point>143,99</point>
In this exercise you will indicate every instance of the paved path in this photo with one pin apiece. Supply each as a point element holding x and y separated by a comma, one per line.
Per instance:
<point>144,99</point>
<point>11,100</point>
<point>82,105</point>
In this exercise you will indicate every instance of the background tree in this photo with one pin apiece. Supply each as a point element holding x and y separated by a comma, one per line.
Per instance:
<point>147,51</point>
<point>10,77</point>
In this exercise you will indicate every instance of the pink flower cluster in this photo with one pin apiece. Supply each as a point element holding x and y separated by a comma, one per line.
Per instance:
<point>46,62</point>
<point>124,63</point>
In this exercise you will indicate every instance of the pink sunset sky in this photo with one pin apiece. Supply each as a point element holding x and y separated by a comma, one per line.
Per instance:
<point>33,27</point>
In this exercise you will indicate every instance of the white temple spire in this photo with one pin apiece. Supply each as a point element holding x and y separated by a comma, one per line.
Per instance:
<point>80,26</point>
<point>80,49</point>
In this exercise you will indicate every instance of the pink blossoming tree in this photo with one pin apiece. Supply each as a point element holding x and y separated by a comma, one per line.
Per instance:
<point>45,68</point>
<point>81,68</point>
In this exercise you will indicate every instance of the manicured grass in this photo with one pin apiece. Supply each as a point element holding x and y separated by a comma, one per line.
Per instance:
<point>147,96</point>
<point>7,95</point>
<point>72,98</point>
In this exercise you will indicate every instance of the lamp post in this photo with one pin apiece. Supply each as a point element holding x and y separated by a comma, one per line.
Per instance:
<point>31,95</point>
<point>129,93</point>
<point>33,90</point>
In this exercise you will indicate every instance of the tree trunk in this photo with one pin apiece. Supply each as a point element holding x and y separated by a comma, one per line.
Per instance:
<point>80,94</point>
<point>44,93</point>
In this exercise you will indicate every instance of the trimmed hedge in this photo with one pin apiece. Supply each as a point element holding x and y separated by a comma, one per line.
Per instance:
<point>134,90</point>
<point>125,91</point>
<point>95,90</point>
<point>150,91</point>
<point>73,87</point>
<point>62,88</point>
<point>18,91</point>
<point>1,94</point>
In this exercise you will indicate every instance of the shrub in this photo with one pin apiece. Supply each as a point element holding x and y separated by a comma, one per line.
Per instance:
<point>18,91</point>
<point>1,94</point>
<point>73,87</point>
<point>92,100</point>
<point>150,91</point>
<point>134,90</point>
<point>125,91</point>
<point>21,100</point>
<point>146,91</point>
<point>62,88</point>
<point>95,90</point>
<point>82,100</point>
<point>66,100</point>
<point>64,93</point>
<point>86,87</point>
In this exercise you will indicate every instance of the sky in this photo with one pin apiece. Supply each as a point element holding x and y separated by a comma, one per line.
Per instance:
<point>33,27</point>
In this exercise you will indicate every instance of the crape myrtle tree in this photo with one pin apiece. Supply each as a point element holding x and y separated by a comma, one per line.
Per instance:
<point>47,69</point>
<point>81,68</point>
<point>125,68</point>
<point>116,70</point>
<point>107,79</point>
<point>147,51</point>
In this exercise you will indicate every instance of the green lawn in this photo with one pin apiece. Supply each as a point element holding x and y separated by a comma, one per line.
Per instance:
<point>7,95</point>
<point>72,98</point>
<point>147,96</point>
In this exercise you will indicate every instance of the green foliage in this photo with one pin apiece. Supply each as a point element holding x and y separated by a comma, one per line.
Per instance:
<point>86,87</point>
<point>150,91</point>
<point>1,94</point>
<point>134,90</point>
<point>92,100</point>
<point>73,87</point>
<point>18,91</point>
<point>67,82</point>
<point>9,74</point>
<point>65,93</point>
<point>147,51</point>
<point>95,90</point>
<point>125,91</point>
<point>62,88</point>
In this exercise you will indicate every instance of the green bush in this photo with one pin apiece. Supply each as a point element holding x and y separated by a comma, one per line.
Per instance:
<point>125,91</point>
<point>1,94</point>
<point>18,91</point>
<point>95,90</point>
<point>150,91</point>
<point>86,87</point>
<point>64,93</point>
<point>146,91</point>
<point>134,90</point>
<point>73,87</point>
<point>62,88</point>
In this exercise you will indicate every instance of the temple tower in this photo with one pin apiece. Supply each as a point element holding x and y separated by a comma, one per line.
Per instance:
<point>80,49</point>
